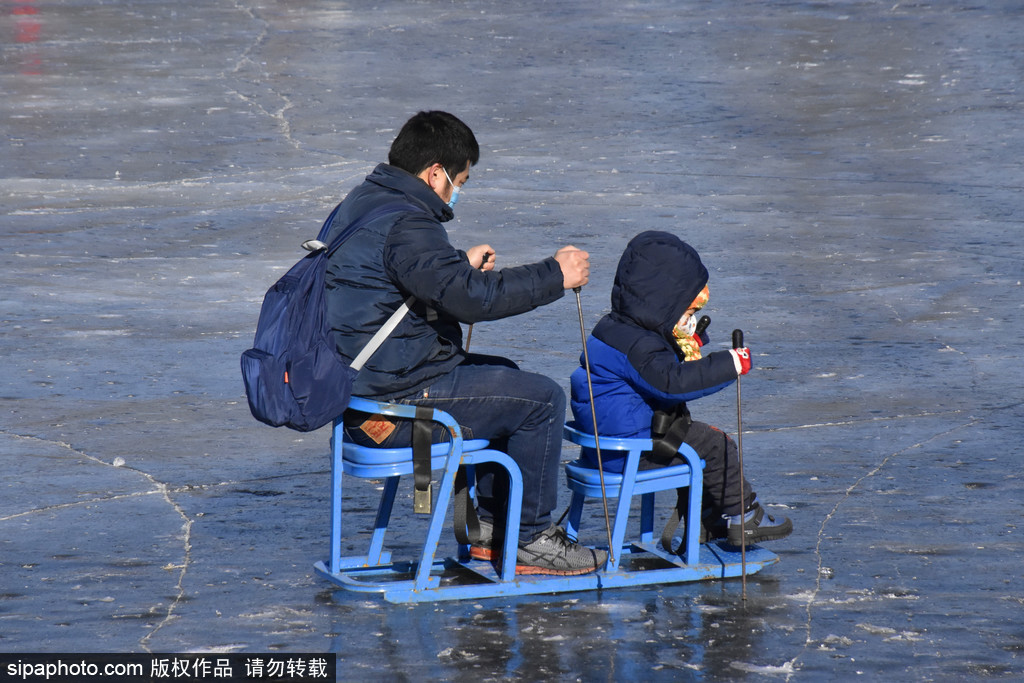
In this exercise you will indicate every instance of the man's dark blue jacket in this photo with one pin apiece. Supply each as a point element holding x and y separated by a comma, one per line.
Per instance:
<point>408,253</point>
<point>636,366</point>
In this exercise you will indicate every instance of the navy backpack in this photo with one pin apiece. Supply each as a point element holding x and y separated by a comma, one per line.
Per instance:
<point>294,376</point>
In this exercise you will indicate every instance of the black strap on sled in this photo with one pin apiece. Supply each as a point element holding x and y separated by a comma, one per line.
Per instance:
<point>422,427</point>
<point>677,515</point>
<point>467,524</point>
<point>668,429</point>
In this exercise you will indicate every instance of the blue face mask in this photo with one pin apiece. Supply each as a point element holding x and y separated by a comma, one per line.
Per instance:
<point>455,191</point>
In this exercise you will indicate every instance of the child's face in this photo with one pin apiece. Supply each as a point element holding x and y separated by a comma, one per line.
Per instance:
<point>687,322</point>
<point>687,325</point>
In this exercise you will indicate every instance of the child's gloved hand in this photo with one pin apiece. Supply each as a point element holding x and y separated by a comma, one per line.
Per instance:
<point>741,359</point>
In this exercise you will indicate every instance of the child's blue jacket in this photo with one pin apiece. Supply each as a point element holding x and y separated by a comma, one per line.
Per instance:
<point>636,367</point>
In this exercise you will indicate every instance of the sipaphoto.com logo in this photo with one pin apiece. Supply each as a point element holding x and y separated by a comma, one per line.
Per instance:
<point>172,668</point>
<point>58,669</point>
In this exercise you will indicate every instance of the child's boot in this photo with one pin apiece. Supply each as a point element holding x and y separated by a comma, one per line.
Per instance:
<point>757,526</point>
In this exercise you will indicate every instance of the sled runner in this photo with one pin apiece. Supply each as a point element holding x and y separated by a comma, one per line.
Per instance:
<point>427,577</point>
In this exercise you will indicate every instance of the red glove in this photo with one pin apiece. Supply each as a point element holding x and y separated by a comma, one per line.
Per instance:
<point>741,359</point>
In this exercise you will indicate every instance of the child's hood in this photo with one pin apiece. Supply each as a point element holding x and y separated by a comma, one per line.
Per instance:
<point>658,278</point>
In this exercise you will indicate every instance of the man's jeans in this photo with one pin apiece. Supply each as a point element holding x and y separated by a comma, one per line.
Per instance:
<point>521,413</point>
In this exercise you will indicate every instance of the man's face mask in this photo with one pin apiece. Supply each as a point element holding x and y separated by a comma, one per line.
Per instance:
<point>455,190</point>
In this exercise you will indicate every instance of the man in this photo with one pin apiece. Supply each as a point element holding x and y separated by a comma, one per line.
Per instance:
<point>407,253</point>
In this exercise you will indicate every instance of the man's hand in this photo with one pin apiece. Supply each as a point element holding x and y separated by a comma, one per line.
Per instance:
<point>482,257</point>
<point>575,264</point>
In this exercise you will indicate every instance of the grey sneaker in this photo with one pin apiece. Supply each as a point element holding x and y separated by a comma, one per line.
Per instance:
<point>553,553</point>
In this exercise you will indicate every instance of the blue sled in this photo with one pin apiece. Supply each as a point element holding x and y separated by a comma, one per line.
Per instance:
<point>642,562</point>
<point>452,579</point>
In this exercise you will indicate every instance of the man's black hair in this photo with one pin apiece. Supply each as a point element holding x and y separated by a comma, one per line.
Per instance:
<point>434,137</point>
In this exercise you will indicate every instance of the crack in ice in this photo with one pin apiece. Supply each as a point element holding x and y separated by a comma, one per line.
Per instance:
<point>160,488</point>
<point>813,596</point>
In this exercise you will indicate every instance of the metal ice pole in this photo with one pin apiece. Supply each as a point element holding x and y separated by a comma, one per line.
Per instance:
<point>593,415</point>
<point>737,343</point>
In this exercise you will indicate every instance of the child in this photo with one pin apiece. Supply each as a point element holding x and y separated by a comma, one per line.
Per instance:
<point>640,375</point>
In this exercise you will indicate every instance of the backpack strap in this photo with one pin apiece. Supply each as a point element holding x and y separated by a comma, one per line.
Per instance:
<point>380,335</point>
<point>365,219</point>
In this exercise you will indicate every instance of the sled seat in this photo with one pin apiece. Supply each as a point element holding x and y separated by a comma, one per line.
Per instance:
<point>585,482</point>
<point>374,570</point>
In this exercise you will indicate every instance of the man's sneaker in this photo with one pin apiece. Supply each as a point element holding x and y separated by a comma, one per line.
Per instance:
<point>553,553</point>
<point>550,553</point>
<point>758,526</point>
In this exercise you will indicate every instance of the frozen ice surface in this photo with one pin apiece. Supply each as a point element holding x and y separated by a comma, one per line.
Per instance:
<point>850,172</point>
